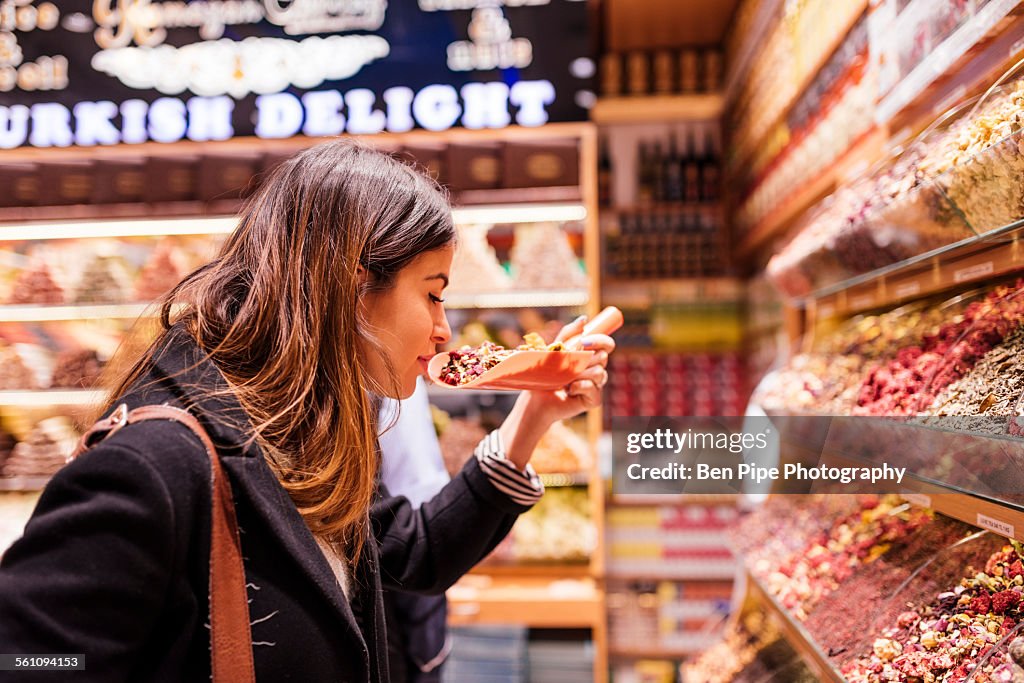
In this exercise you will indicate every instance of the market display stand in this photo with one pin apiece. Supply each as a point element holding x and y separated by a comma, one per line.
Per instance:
<point>664,574</point>
<point>536,595</point>
<point>966,62</point>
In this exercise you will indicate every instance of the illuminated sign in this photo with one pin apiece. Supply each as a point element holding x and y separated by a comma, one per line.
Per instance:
<point>107,72</point>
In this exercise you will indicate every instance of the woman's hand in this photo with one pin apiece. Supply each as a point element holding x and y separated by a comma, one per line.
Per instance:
<point>536,411</point>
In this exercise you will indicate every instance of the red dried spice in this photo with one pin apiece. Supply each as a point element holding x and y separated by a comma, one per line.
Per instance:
<point>981,604</point>
<point>1004,600</point>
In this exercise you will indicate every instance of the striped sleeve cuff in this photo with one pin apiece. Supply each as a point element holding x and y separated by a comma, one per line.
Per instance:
<point>524,488</point>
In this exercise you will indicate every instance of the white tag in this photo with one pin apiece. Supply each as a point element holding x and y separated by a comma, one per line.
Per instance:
<point>918,499</point>
<point>826,311</point>
<point>972,272</point>
<point>863,301</point>
<point>908,289</point>
<point>1000,527</point>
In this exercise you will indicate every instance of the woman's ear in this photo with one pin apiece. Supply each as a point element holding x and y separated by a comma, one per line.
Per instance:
<point>362,275</point>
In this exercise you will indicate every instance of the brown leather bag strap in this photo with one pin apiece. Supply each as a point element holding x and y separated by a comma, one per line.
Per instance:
<point>230,635</point>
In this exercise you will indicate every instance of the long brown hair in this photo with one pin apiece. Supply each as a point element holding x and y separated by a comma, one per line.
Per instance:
<point>277,311</point>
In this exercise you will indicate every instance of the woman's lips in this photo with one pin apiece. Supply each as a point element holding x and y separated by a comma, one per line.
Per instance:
<point>424,362</point>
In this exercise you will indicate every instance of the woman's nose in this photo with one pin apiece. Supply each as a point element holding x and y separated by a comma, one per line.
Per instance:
<point>442,331</point>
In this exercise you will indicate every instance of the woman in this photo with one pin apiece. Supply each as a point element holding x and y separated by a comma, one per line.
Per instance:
<point>328,294</point>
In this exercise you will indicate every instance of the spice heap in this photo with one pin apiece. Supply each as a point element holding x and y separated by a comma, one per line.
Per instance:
<point>105,280</point>
<point>557,529</point>
<point>918,373</point>
<point>743,639</point>
<point>992,387</point>
<point>76,369</point>
<point>466,364</point>
<point>827,381</point>
<point>44,451</point>
<point>36,286</point>
<point>542,258</point>
<point>950,637</point>
<point>475,267</point>
<point>873,584</point>
<point>14,372</point>
<point>984,161</point>
<point>160,273</point>
<point>561,450</point>
<point>785,525</point>
<point>859,538</point>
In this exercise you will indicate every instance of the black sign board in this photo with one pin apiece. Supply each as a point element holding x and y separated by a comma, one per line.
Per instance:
<point>104,72</point>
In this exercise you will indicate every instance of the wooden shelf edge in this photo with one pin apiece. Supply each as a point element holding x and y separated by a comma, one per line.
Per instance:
<point>976,260</point>
<point>668,108</point>
<point>655,652</point>
<point>795,634</point>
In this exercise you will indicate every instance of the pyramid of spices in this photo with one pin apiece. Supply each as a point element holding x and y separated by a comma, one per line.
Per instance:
<point>161,272</point>
<point>103,281</point>
<point>14,372</point>
<point>6,446</point>
<point>542,258</point>
<point>76,369</point>
<point>475,267</point>
<point>36,286</point>
<point>44,451</point>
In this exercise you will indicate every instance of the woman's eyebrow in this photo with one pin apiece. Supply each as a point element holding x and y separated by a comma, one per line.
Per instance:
<point>438,276</point>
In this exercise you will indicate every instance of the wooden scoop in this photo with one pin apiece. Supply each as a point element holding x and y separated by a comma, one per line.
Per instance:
<point>536,370</point>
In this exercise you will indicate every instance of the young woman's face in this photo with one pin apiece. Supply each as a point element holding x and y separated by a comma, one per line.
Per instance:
<point>409,319</point>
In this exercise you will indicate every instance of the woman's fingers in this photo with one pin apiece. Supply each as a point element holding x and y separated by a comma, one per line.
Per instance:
<point>586,391</point>
<point>598,342</point>
<point>572,329</point>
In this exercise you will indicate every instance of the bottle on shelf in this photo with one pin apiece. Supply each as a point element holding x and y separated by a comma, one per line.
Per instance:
<point>712,72</point>
<point>691,170</point>
<point>611,74</point>
<point>664,81</point>
<point>604,176</point>
<point>689,71</point>
<point>645,177</point>
<point>672,175</point>
<point>638,80</point>
<point>709,169</point>
<point>657,163</point>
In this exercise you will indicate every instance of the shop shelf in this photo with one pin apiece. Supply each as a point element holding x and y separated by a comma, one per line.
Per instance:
<point>866,148</point>
<point>947,57</point>
<point>975,259</point>
<point>499,206</point>
<point>536,602</point>
<point>51,397</point>
<point>611,110</point>
<point>658,500</point>
<point>31,313</point>
<point>958,470</point>
<point>854,10</point>
<point>555,480</point>
<point>544,298</point>
<point>656,652</point>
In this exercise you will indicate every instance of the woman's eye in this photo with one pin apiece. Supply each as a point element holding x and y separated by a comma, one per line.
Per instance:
<point>436,299</point>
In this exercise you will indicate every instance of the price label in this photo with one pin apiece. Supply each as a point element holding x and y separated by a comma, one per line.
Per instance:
<point>863,301</point>
<point>826,311</point>
<point>919,499</point>
<point>1016,48</point>
<point>908,289</point>
<point>974,272</point>
<point>1000,527</point>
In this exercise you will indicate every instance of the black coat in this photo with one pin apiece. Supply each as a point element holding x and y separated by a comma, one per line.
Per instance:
<point>114,562</point>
